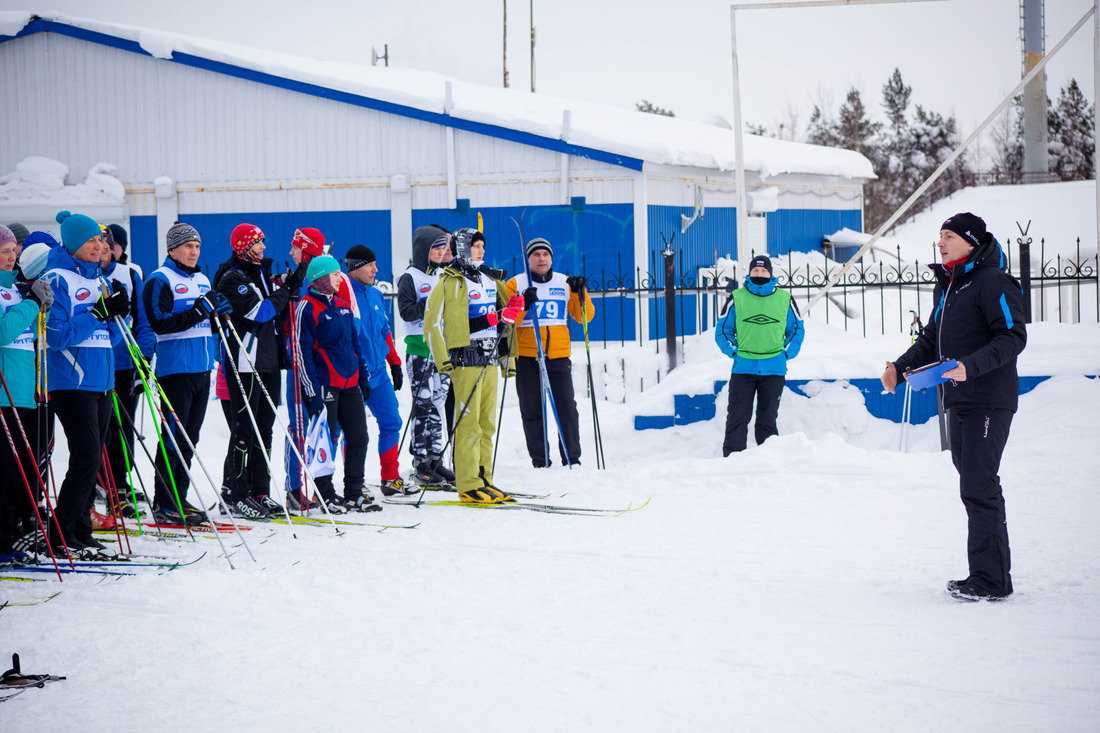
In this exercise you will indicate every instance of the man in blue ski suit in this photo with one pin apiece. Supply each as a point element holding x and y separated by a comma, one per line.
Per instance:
<point>376,343</point>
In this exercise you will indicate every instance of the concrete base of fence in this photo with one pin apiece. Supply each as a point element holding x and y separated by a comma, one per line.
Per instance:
<point>697,408</point>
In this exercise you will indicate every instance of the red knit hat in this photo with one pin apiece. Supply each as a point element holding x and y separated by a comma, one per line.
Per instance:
<point>242,239</point>
<point>309,240</point>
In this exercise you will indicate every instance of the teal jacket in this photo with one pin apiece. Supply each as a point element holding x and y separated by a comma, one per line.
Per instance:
<point>17,365</point>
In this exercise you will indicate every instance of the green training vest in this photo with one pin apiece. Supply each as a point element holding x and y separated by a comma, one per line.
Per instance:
<point>761,323</point>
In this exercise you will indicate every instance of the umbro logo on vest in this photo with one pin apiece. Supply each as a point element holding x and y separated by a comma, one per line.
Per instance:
<point>761,320</point>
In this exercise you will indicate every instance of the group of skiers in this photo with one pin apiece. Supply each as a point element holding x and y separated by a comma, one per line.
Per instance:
<point>83,335</point>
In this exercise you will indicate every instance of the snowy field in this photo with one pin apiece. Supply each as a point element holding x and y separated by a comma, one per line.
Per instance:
<point>797,586</point>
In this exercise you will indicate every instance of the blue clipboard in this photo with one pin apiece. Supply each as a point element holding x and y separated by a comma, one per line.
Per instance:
<point>930,375</point>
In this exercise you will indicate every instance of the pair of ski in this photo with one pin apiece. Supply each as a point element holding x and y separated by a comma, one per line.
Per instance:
<point>533,506</point>
<point>107,565</point>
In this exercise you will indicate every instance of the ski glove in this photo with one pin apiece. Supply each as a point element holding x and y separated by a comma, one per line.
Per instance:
<point>398,375</point>
<point>316,405</point>
<point>115,304</point>
<point>295,279</point>
<point>41,293</point>
<point>512,310</point>
<point>364,386</point>
<point>217,303</point>
<point>530,297</point>
<point>577,283</point>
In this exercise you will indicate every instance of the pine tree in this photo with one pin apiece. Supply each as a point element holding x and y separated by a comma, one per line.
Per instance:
<point>854,129</point>
<point>646,106</point>
<point>1073,132</point>
<point>822,129</point>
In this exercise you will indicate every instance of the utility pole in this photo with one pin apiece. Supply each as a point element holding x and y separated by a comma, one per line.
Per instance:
<point>1035,93</point>
<point>532,45</point>
<point>505,44</point>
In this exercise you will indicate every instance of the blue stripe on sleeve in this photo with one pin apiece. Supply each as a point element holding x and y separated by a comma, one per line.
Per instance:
<point>1004,309</point>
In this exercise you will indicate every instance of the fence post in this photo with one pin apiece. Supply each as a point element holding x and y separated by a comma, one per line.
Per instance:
<point>1025,275</point>
<point>670,303</point>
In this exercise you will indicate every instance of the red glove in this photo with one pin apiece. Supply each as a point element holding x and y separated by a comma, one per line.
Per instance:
<point>491,316</point>
<point>512,310</point>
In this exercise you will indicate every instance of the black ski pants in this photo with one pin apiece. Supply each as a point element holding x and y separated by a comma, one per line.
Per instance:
<point>15,503</point>
<point>188,394</point>
<point>84,416</point>
<point>345,407</point>
<point>978,436</point>
<point>766,390</point>
<point>248,474</point>
<point>119,434</point>
<point>529,391</point>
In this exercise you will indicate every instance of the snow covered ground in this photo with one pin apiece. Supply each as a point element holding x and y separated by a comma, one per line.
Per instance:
<point>797,586</point>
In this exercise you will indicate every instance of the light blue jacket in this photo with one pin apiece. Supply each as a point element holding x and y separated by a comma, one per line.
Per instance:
<point>725,335</point>
<point>375,333</point>
<point>17,316</point>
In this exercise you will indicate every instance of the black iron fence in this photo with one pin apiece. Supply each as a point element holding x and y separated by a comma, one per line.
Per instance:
<point>874,297</point>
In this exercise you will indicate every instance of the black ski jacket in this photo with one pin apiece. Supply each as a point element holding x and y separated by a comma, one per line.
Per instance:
<point>259,310</point>
<point>979,321</point>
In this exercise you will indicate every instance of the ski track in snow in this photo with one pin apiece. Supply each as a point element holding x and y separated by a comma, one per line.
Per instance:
<point>796,586</point>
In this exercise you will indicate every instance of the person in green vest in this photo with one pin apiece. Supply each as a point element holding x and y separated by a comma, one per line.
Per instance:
<point>761,331</point>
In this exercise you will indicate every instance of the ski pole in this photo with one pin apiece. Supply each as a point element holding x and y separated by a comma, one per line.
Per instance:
<point>37,472</point>
<point>600,462</point>
<point>146,376</point>
<point>30,495</point>
<point>140,440</point>
<point>270,401</point>
<point>544,377</point>
<point>112,498</point>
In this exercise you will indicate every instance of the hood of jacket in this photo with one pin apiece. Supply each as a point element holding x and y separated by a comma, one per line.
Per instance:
<point>423,239</point>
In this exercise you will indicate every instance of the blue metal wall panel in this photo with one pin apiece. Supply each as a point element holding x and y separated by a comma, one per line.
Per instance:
<point>143,243</point>
<point>801,230</point>
<point>342,230</point>
<point>598,241</point>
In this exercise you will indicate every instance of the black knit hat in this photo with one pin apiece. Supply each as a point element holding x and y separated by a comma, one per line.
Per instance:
<point>120,235</point>
<point>358,256</point>
<point>966,225</point>
<point>537,244</point>
<point>19,231</point>
<point>761,261</point>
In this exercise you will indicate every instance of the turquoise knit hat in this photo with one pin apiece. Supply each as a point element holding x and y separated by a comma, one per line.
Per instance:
<point>321,266</point>
<point>76,229</point>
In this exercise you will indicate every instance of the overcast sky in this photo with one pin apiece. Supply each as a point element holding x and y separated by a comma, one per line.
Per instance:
<point>960,56</point>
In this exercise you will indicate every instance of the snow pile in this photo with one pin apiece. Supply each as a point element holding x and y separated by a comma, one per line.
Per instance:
<point>625,132</point>
<point>41,181</point>
<point>1058,213</point>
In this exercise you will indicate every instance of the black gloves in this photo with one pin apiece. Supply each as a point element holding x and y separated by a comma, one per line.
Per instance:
<point>110,306</point>
<point>577,283</point>
<point>398,375</point>
<point>530,297</point>
<point>212,302</point>
<point>295,279</point>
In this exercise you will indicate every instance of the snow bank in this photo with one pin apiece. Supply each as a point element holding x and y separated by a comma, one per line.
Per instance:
<point>40,181</point>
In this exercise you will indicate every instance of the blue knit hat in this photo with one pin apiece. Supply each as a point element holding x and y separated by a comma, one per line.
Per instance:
<point>76,229</point>
<point>320,267</point>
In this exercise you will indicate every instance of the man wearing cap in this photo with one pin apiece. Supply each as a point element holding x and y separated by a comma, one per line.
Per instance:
<point>258,309</point>
<point>179,304</point>
<point>121,242</point>
<point>761,331</point>
<point>431,250</point>
<point>384,374</point>
<point>556,298</point>
<point>80,363</point>
<point>978,321</point>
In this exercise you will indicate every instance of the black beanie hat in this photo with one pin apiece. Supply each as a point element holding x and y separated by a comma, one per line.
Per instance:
<point>19,231</point>
<point>761,261</point>
<point>358,256</point>
<point>119,234</point>
<point>966,225</point>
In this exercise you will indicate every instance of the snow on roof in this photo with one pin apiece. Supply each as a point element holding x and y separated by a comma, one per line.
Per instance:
<point>640,135</point>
